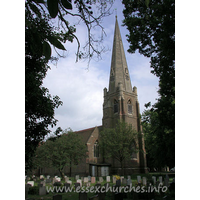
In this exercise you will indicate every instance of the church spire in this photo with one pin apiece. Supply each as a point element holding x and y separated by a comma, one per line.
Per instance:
<point>119,70</point>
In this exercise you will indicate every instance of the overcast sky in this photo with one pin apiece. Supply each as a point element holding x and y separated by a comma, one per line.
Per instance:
<point>81,89</point>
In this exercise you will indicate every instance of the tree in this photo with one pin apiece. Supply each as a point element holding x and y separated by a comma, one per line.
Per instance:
<point>41,35</point>
<point>151,28</point>
<point>119,142</point>
<point>66,150</point>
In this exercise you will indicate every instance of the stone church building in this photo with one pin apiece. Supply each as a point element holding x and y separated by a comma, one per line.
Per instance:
<point>120,103</point>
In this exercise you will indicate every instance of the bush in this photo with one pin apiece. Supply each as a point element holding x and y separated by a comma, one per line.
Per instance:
<point>34,190</point>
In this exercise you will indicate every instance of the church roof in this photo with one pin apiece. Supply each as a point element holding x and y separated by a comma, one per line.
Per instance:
<point>119,69</point>
<point>86,133</point>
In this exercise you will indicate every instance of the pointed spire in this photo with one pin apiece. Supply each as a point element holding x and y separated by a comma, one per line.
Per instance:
<point>119,70</point>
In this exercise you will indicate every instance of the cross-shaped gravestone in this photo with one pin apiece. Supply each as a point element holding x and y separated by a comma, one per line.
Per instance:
<point>139,179</point>
<point>144,181</point>
<point>93,179</point>
<point>107,178</point>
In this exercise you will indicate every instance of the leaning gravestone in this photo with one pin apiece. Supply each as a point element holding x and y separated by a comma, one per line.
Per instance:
<point>57,197</point>
<point>42,190</point>
<point>83,196</point>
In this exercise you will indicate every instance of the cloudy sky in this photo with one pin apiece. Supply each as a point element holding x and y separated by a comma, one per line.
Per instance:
<point>81,87</point>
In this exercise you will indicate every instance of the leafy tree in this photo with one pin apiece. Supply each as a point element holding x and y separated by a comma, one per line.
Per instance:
<point>66,150</point>
<point>119,142</point>
<point>40,36</point>
<point>151,26</point>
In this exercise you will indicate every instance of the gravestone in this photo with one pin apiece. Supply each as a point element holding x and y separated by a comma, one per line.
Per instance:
<point>43,183</point>
<point>82,179</point>
<point>154,179</point>
<point>83,196</point>
<point>42,190</point>
<point>77,177</point>
<point>70,182</point>
<point>121,178</point>
<point>30,183</point>
<point>160,179</point>
<point>139,179</point>
<point>77,185</point>
<point>108,179</point>
<point>79,181</point>
<point>66,179</point>
<point>124,181</point>
<point>128,177</point>
<point>118,182</point>
<point>58,179</point>
<point>129,182</point>
<point>93,179</point>
<point>89,178</point>
<point>57,197</point>
<point>85,180</point>
<point>54,180</point>
<point>114,180</point>
<point>41,176</point>
<point>100,179</point>
<point>144,181</point>
<point>48,176</point>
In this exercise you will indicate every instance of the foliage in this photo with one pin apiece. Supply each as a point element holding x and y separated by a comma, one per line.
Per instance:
<point>119,142</point>
<point>66,150</point>
<point>151,28</point>
<point>33,190</point>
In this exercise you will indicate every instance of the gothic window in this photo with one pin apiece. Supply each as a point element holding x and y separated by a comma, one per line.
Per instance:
<point>96,149</point>
<point>129,107</point>
<point>115,106</point>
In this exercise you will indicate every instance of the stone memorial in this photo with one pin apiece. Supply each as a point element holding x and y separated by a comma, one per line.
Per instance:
<point>79,181</point>
<point>41,176</point>
<point>89,178</point>
<point>139,179</point>
<point>160,179</point>
<point>42,190</point>
<point>30,183</point>
<point>128,177</point>
<point>93,179</point>
<point>100,179</point>
<point>107,178</point>
<point>48,176</point>
<point>121,178</point>
<point>144,181</point>
<point>70,182</point>
<point>124,181</point>
<point>77,177</point>
<point>66,179</point>
<point>129,182</point>
<point>85,180</point>
<point>114,179</point>
<point>154,179</point>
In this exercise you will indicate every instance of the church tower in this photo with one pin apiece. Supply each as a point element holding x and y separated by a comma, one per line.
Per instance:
<point>120,101</point>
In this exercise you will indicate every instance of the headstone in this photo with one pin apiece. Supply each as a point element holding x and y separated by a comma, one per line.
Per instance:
<point>77,185</point>
<point>43,183</point>
<point>107,178</point>
<point>42,190</point>
<point>85,180</point>
<point>139,179</point>
<point>54,180</point>
<point>57,197</point>
<point>118,182</point>
<point>30,183</point>
<point>121,178</point>
<point>154,179</point>
<point>48,176</point>
<point>66,179</point>
<point>100,179</point>
<point>160,179</point>
<point>129,182</point>
<point>89,178</point>
<point>77,177</point>
<point>144,181</point>
<point>124,181</point>
<point>93,179</point>
<point>70,182</point>
<point>114,180</point>
<point>41,176</point>
<point>58,179</point>
<point>79,181</point>
<point>83,196</point>
<point>82,179</point>
<point>128,177</point>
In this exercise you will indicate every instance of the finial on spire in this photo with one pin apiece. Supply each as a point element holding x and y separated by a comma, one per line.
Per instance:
<point>116,13</point>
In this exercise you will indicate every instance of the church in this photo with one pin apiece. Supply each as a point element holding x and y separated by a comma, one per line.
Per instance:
<point>120,103</point>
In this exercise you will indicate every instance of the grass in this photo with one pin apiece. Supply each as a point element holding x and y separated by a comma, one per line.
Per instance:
<point>109,196</point>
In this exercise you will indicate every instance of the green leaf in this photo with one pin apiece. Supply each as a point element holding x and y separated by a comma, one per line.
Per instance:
<point>35,9</point>
<point>46,50</point>
<point>67,4</point>
<point>52,7</point>
<point>55,42</point>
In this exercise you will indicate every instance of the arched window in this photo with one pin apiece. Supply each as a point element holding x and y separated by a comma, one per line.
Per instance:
<point>96,149</point>
<point>115,106</point>
<point>130,107</point>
